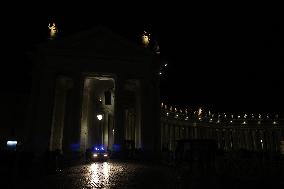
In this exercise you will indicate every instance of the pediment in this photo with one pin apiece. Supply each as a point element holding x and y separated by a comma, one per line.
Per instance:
<point>100,42</point>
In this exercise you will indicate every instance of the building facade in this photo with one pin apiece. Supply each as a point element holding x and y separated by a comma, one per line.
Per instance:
<point>94,89</point>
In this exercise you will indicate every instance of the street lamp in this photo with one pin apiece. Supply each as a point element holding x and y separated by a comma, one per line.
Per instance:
<point>100,117</point>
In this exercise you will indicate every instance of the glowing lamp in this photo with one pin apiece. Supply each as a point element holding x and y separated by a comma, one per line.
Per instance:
<point>99,117</point>
<point>11,143</point>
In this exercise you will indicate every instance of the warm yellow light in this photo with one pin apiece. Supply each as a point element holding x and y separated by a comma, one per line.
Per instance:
<point>53,30</point>
<point>199,112</point>
<point>145,39</point>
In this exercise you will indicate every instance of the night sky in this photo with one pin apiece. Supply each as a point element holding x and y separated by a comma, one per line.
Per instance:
<point>225,59</point>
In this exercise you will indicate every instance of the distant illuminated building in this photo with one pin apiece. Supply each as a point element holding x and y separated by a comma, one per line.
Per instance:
<point>241,128</point>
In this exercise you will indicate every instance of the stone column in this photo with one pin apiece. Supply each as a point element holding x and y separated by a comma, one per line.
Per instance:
<point>119,113</point>
<point>110,131</point>
<point>167,134</point>
<point>58,120</point>
<point>42,117</point>
<point>186,131</point>
<point>84,118</point>
<point>162,133</point>
<point>171,129</point>
<point>138,116</point>
<point>105,131</point>
<point>126,123</point>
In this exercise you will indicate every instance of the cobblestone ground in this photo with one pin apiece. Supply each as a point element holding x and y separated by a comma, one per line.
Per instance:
<point>228,173</point>
<point>110,175</point>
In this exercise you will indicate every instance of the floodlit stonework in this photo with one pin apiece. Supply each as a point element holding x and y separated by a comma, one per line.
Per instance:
<point>94,88</point>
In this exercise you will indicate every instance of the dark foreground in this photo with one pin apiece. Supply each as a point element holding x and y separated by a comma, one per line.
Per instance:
<point>226,173</point>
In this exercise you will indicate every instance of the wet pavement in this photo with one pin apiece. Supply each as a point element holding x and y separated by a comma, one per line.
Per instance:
<point>228,173</point>
<point>111,175</point>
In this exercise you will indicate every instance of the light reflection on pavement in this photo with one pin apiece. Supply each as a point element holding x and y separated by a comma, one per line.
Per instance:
<point>111,175</point>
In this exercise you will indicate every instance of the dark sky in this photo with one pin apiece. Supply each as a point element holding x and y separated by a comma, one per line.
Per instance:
<point>228,59</point>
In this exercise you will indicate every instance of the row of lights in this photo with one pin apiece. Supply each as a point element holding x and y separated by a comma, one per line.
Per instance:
<point>172,109</point>
<point>199,113</point>
<point>211,120</point>
<point>218,121</point>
